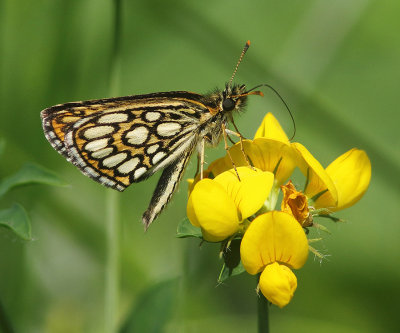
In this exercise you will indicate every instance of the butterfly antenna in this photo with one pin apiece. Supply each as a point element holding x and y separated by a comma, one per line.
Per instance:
<point>246,47</point>
<point>248,92</point>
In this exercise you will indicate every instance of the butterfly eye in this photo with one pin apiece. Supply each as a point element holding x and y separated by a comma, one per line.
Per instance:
<point>228,104</point>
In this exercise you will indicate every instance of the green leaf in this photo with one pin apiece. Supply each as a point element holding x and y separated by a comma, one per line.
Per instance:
<point>30,174</point>
<point>186,229</point>
<point>154,308</point>
<point>17,220</point>
<point>232,264</point>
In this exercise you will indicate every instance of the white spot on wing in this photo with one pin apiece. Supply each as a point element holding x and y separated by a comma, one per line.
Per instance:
<point>102,152</point>
<point>91,172</point>
<point>96,144</point>
<point>106,181</point>
<point>157,157</point>
<point>51,135</point>
<point>98,131</point>
<point>113,160</point>
<point>152,149</point>
<point>81,122</point>
<point>152,116</point>
<point>139,172</point>
<point>113,118</point>
<point>168,129</point>
<point>138,135</point>
<point>129,165</point>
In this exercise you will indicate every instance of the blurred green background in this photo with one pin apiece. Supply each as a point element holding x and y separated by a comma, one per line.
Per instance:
<point>337,65</point>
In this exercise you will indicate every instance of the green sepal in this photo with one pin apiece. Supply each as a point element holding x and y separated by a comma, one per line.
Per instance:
<point>319,194</point>
<point>30,174</point>
<point>227,272</point>
<point>322,228</point>
<point>17,220</point>
<point>317,253</point>
<point>333,218</point>
<point>314,240</point>
<point>232,264</point>
<point>186,229</point>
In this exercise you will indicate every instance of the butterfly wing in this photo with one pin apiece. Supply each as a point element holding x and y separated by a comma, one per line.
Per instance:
<point>119,141</point>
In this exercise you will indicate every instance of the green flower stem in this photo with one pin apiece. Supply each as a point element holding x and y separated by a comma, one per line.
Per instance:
<point>262,309</point>
<point>111,296</point>
<point>112,266</point>
<point>5,324</point>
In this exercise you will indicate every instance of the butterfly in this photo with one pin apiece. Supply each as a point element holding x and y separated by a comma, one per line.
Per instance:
<point>125,140</point>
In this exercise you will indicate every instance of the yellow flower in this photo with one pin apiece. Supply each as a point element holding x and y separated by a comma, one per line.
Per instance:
<point>269,151</point>
<point>273,244</point>
<point>219,205</point>
<point>296,204</point>
<point>351,174</point>
<point>341,184</point>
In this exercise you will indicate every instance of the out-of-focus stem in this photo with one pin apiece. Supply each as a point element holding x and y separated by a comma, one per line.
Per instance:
<point>111,296</point>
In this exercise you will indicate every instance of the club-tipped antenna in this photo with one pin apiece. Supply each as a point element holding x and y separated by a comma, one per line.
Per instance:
<point>246,47</point>
<point>281,98</point>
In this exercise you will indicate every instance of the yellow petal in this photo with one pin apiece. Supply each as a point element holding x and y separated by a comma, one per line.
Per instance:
<point>278,284</point>
<point>351,174</point>
<point>224,164</point>
<point>318,179</point>
<point>193,181</point>
<point>271,129</point>
<point>210,208</point>
<point>266,155</point>
<point>250,192</point>
<point>273,236</point>
<point>190,212</point>
<point>274,156</point>
<point>220,165</point>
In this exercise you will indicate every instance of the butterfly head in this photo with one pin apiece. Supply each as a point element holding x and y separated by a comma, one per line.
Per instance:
<point>234,97</point>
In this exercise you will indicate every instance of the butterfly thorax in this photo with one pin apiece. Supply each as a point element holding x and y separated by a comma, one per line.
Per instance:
<point>220,105</point>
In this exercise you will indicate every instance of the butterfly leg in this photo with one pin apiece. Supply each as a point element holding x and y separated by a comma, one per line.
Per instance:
<point>202,158</point>
<point>225,135</point>
<point>197,166</point>
<point>229,137</point>
<point>241,137</point>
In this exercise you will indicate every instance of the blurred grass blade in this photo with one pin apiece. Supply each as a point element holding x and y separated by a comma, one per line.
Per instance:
<point>30,174</point>
<point>2,145</point>
<point>17,220</point>
<point>154,308</point>
<point>186,229</point>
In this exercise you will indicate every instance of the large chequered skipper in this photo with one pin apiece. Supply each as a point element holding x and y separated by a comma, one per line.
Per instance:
<point>124,140</point>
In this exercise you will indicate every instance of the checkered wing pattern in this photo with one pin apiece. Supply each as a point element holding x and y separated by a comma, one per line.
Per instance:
<point>119,141</point>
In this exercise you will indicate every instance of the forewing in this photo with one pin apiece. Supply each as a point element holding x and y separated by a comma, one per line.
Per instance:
<point>123,140</point>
